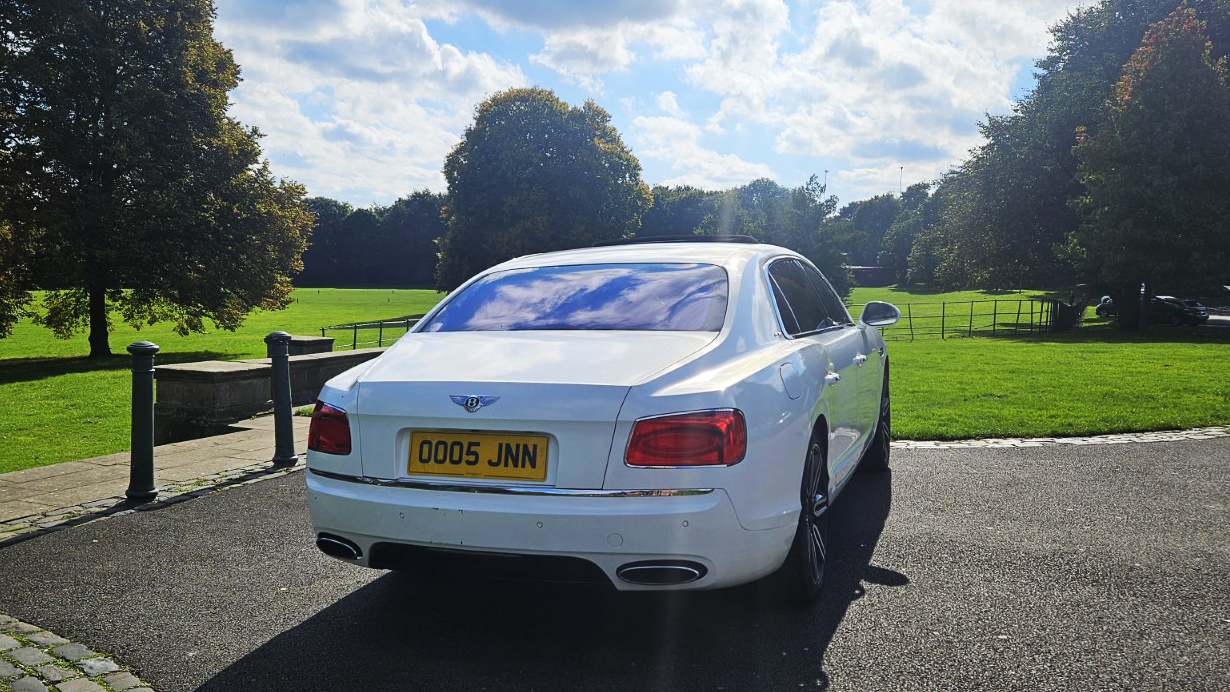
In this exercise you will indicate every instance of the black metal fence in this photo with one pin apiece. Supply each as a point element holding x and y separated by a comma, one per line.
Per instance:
<point>947,320</point>
<point>942,320</point>
<point>366,334</point>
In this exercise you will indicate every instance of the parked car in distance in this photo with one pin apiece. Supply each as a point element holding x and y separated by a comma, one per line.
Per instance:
<point>1197,312</point>
<point>1176,312</point>
<point>1162,309</point>
<point>1106,308</point>
<point>657,415</point>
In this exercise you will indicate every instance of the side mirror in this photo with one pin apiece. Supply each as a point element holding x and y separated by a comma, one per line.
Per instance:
<point>878,314</point>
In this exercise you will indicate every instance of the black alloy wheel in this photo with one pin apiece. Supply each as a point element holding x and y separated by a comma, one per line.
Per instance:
<point>875,459</point>
<point>803,571</point>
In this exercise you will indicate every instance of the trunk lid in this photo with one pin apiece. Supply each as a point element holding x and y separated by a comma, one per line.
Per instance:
<point>563,389</point>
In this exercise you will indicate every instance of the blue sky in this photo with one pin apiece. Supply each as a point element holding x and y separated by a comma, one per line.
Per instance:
<point>361,100</point>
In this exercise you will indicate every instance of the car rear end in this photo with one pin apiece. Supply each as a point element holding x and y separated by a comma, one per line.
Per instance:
<point>1197,313</point>
<point>518,453</point>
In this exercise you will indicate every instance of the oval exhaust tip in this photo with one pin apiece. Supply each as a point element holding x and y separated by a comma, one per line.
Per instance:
<point>661,572</point>
<point>335,546</point>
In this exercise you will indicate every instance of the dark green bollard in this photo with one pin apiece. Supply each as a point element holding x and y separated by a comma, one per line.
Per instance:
<point>278,344</point>
<point>141,461</point>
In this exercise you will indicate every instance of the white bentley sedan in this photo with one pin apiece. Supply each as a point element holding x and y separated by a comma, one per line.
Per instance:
<point>659,415</point>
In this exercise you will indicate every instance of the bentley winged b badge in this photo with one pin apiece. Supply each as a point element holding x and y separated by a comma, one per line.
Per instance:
<point>473,403</point>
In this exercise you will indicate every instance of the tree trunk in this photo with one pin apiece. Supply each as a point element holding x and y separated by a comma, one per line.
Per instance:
<point>100,346</point>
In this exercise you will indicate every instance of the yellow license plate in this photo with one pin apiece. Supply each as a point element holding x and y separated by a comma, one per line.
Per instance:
<point>479,455</point>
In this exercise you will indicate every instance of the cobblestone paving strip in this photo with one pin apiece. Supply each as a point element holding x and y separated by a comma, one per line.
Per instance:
<point>1165,436</point>
<point>35,660</point>
<point>23,528</point>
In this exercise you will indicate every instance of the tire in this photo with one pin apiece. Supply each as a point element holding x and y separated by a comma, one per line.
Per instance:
<point>875,459</point>
<point>1176,320</point>
<point>802,575</point>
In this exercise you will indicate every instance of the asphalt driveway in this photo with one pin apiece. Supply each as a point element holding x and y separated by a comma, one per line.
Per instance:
<point>1051,568</point>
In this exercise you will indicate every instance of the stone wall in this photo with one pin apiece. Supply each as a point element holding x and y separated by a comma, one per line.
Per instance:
<point>200,399</point>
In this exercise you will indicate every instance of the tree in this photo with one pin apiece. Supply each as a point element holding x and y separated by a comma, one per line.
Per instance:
<point>678,210</point>
<point>413,224</point>
<point>322,259</point>
<point>14,277</point>
<point>534,174</point>
<point>1011,211</point>
<point>870,220</point>
<point>797,219</point>
<point>1156,211</point>
<point>124,179</point>
<point>919,209</point>
<point>817,241</point>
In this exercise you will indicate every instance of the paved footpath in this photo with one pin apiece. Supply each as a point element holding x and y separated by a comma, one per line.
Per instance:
<point>33,659</point>
<point>50,498</point>
<point>43,499</point>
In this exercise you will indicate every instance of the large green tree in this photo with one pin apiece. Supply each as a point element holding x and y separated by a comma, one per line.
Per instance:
<point>123,183</point>
<point>413,224</point>
<point>1007,210</point>
<point>323,259</point>
<point>869,220</point>
<point>1157,174</point>
<point>533,174</point>
<point>678,210</point>
<point>919,209</point>
<point>378,246</point>
<point>796,218</point>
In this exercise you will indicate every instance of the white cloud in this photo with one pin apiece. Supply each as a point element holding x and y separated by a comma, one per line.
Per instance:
<point>360,101</point>
<point>668,104</point>
<point>362,104</point>
<point>677,143</point>
<point>876,180</point>
<point>583,55</point>
<point>557,14</point>
<point>876,84</point>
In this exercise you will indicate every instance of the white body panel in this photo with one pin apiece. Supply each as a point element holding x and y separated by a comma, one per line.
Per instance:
<point>608,531</point>
<point>585,391</point>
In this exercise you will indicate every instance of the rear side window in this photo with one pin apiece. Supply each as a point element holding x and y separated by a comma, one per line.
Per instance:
<point>798,303</point>
<point>644,297</point>
<point>833,306</point>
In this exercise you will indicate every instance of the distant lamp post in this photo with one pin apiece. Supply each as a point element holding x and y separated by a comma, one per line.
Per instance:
<point>901,180</point>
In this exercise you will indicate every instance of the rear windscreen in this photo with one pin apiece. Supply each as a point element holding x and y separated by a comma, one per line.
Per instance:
<point>658,297</point>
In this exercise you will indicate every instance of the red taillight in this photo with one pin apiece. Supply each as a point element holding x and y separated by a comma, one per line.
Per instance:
<point>329,431</point>
<point>708,438</point>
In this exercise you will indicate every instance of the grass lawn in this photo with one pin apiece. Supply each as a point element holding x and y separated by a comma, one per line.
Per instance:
<point>63,406</point>
<point>900,295</point>
<point>928,314</point>
<point>1094,380</point>
<point>1097,379</point>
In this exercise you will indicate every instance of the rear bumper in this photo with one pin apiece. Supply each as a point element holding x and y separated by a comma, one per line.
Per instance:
<point>610,530</point>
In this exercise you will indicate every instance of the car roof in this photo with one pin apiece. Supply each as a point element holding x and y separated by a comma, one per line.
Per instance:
<point>718,253</point>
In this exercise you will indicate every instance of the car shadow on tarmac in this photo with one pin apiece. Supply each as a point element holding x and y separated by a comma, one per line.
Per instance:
<point>410,632</point>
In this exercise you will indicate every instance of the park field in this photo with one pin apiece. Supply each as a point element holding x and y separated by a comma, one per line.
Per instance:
<point>62,406</point>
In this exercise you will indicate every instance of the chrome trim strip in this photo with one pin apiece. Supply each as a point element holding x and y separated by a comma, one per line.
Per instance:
<point>510,489</point>
<point>628,574</point>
